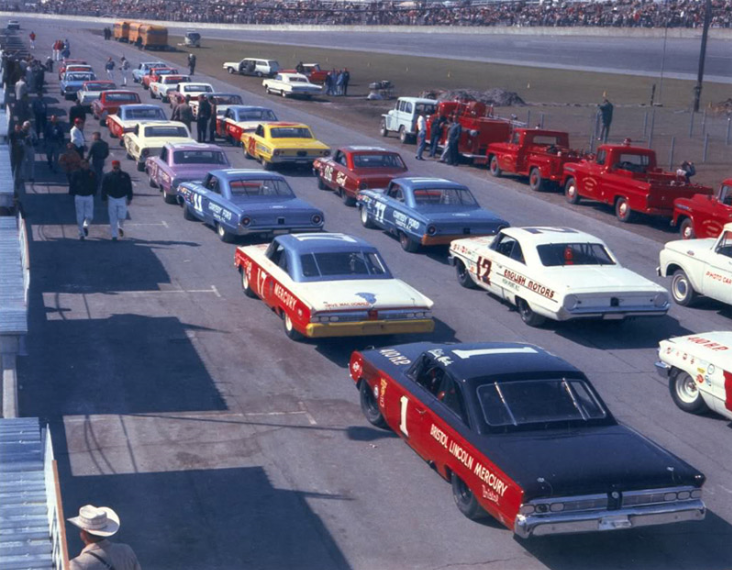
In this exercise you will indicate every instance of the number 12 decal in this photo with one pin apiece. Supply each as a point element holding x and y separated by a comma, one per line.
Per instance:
<point>403,423</point>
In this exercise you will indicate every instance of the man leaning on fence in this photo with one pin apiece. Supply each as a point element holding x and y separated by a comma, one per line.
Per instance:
<point>97,525</point>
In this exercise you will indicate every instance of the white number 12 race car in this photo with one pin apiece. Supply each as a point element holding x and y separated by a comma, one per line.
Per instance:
<point>556,273</point>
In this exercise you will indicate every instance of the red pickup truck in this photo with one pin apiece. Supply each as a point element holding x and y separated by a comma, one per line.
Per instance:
<point>704,216</point>
<point>109,103</point>
<point>310,70</point>
<point>537,153</point>
<point>478,128</point>
<point>628,178</point>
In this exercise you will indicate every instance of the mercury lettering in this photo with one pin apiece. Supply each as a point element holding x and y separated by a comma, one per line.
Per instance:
<point>490,479</point>
<point>285,296</point>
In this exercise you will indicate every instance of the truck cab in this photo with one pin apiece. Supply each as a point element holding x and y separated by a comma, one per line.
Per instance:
<point>402,118</point>
<point>628,178</point>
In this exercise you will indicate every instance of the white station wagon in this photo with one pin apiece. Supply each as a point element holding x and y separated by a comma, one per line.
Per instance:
<point>699,266</point>
<point>699,370</point>
<point>556,273</point>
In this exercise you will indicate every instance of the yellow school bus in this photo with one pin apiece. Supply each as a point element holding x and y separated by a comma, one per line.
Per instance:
<point>154,37</point>
<point>121,31</point>
<point>134,31</point>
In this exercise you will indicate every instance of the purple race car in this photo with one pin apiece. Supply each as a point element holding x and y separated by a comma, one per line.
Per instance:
<point>183,162</point>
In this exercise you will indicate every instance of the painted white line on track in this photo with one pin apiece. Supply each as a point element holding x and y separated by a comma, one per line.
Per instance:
<point>308,415</point>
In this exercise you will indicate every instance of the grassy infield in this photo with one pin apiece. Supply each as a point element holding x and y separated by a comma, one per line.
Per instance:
<point>567,99</point>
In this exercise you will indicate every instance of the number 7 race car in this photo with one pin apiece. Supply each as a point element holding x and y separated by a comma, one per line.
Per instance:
<point>556,273</point>
<point>523,437</point>
<point>326,285</point>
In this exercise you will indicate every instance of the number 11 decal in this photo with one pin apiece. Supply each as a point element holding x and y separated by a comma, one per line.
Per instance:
<point>403,424</point>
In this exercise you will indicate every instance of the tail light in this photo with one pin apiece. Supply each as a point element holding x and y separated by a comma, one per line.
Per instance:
<point>431,230</point>
<point>276,153</point>
<point>317,219</point>
<point>246,221</point>
<point>145,152</point>
<point>326,153</point>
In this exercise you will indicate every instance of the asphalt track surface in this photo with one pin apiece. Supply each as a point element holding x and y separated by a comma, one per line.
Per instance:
<point>628,55</point>
<point>179,402</point>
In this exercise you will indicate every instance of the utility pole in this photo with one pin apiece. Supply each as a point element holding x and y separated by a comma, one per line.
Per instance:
<point>702,54</point>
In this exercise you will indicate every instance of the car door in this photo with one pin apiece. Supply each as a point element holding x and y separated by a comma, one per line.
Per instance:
<point>157,165</point>
<point>588,183</point>
<point>388,203</point>
<point>508,269</point>
<point>717,279</point>
<point>340,165</point>
<point>508,160</point>
<point>273,265</point>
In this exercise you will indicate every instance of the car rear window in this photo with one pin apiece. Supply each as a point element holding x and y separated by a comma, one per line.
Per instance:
<point>98,86</point>
<point>378,160</point>
<point>198,88</point>
<point>227,99</point>
<point>444,197</point>
<point>266,187</point>
<point>522,402</point>
<point>79,77</point>
<point>291,133</point>
<point>166,131</point>
<point>366,263</point>
<point>198,157</point>
<point>141,114</point>
<point>561,254</point>
<point>257,115</point>
<point>128,97</point>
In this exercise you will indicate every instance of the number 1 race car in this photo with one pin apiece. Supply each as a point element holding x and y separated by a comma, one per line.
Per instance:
<point>523,437</point>
<point>328,285</point>
<point>556,273</point>
<point>699,371</point>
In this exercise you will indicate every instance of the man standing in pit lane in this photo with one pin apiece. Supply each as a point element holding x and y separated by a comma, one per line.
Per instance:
<point>117,190</point>
<point>83,188</point>
<point>204,116</point>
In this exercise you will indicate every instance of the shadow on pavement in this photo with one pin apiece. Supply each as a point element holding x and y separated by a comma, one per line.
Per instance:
<point>210,519</point>
<point>700,545</point>
<point>620,335</point>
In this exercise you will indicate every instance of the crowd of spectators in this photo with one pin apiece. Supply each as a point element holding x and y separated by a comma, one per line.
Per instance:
<point>617,13</point>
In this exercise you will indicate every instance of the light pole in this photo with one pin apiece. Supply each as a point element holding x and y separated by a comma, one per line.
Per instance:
<point>663,65</point>
<point>702,54</point>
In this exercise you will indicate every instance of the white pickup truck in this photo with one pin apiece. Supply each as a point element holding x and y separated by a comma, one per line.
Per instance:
<point>698,368</point>
<point>699,267</point>
<point>402,119</point>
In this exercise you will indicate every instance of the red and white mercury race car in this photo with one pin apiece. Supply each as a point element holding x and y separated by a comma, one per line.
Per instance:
<point>331,285</point>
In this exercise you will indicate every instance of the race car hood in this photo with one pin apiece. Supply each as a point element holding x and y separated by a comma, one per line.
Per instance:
<point>361,294</point>
<point>691,247</point>
<point>559,463</point>
<point>600,278</point>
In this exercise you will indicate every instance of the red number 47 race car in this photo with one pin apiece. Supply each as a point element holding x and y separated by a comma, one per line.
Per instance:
<point>524,438</point>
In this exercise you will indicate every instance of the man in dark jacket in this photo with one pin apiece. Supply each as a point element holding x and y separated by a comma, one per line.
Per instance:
<point>98,153</point>
<point>117,190</point>
<point>77,111</point>
<point>191,64</point>
<point>453,140</point>
<point>55,139</point>
<point>606,115</point>
<point>83,188</point>
<point>204,116</point>
<point>184,113</point>
<point>212,121</point>
<point>436,134</point>
<point>40,109</point>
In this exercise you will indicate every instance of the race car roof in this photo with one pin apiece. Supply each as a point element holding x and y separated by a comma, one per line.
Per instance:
<point>497,359</point>
<point>541,235</point>
<point>324,242</point>
<point>244,173</point>
<point>416,183</point>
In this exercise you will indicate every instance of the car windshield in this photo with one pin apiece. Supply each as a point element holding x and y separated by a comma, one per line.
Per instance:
<point>257,115</point>
<point>521,402</point>
<point>561,254</point>
<point>166,131</point>
<point>197,88</point>
<point>122,97</point>
<point>198,157</point>
<point>79,77</point>
<point>444,197</point>
<point>141,114</point>
<point>378,160</point>
<point>362,263</point>
<point>227,99</point>
<point>267,187</point>
<point>291,133</point>
<point>165,71</point>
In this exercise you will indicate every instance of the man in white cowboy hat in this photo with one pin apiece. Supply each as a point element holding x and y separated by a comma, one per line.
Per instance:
<point>97,524</point>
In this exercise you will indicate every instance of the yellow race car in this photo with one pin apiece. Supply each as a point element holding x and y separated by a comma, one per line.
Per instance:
<point>283,143</point>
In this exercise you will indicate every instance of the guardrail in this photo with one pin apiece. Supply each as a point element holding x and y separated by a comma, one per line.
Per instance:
<point>56,519</point>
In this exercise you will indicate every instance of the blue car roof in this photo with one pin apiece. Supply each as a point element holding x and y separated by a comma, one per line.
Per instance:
<point>324,242</point>
<point>418,182</point>
<point>246,173</point>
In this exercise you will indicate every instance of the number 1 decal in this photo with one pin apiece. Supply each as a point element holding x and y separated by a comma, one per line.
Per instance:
<point>403,424</point>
